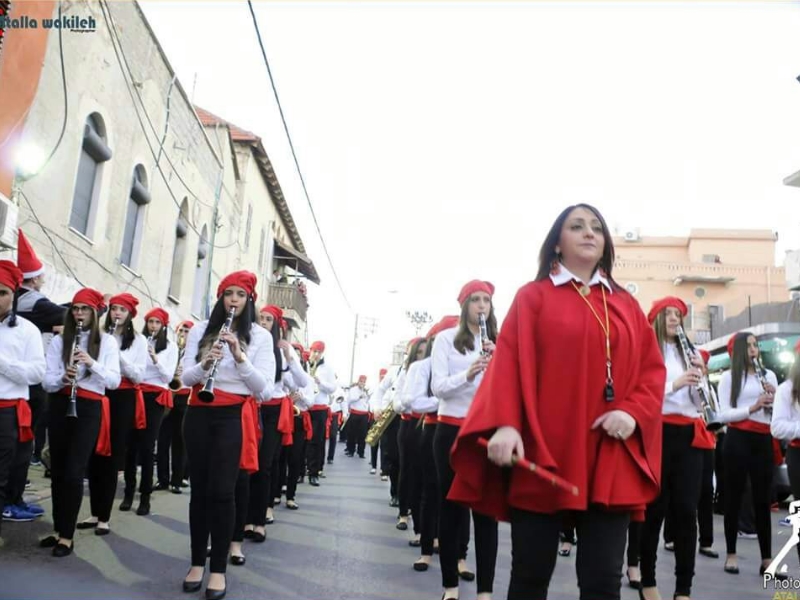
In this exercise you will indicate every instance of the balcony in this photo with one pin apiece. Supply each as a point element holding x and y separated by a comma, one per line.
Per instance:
<point>290,300</point>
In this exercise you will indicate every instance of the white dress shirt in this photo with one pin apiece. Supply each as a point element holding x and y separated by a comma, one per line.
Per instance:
<point>250,377</point>
<point>677,402</point>
<point>22,361</point>
<point>414,397</point>
<point>161,372</point>
<point>357,399</point>
<point>449,374</point>
<point>382,395</point>
<point>564,276</point>
<point>785,414</point>
<point>133,360</point>
<point>326,386</point>
<point>751,390</point>
<point>102,375</point>
<point>293,377</point>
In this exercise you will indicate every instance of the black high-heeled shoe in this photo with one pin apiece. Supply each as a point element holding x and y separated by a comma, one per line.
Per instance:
<point>635,584</point>
<point>238,560</point>
<point>189,587</point>
<point>212,594</point>
<point>779,576</point>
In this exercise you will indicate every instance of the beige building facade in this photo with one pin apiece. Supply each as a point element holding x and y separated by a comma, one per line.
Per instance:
<point>716,272</point>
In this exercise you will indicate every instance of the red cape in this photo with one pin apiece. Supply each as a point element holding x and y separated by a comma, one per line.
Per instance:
<point>546,379</point>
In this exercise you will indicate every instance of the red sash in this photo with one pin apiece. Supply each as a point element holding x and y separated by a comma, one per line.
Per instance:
<point>457,421</point>
<point>355,411</point>
<point>103,445</point>
<point>703,438</point>
<point>163,395</point>
<point>340,418</point>
<point>307,427</point>
<point>431,419</point>
<point>286,420</point>
<point>794,443</point>
<point>24,417</point>
<point>412,416</point>
<point>248,458</point>
<point>141,415</point>
<point>748,425</point>
<point>328,424</point>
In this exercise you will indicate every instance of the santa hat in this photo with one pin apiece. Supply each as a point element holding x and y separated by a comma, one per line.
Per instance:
<point>158,313</point>
<point>126,300</point>
<point>664,303</point>
<point>27,261</point>
<point>244,279</point>
<point>10,275</point>
<point>318,346</point>
<point>475,286</point>
<point>446,323</point>
<point>89,297</point>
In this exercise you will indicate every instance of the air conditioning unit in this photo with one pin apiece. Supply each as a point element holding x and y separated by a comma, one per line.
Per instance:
<point>9,214</point>
<point>632,235</point>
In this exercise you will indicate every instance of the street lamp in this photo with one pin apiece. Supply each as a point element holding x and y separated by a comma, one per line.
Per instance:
<point>419,319</point>
<point>366,326</point>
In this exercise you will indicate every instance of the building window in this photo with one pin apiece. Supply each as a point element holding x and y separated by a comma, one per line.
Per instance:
<point>261,249</point>
<point>94,152</point>
<point>179,252</point>
<point>138,198</point>
<point>201,275</point>
<point>699,292</point>
<point>247,228</point>
<point>711,258</point>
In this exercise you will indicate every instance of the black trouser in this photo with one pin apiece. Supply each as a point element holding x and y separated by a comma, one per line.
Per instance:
<point>170,442</point>
<point>316,444</point>
<point>72,443</point>
<point>705,510</point>
<point>296,457</point>
<point>429,502</point>
<point>334,435</point>
<point>9,439</point>
<point>681,473</point>
<point>373,457</point>
<point>104,470</point>
<point>452,521</point>
<point>261,482</point>
<point>141,446</point>
<point>213,437</point>
<point>748,453</point>
<point>18,474</point>
<point>409,483</point>
<point>242,500</point>
<point>719,475</point>
<point>634,543</point>
<point>534,541</point>
<point>793,468</point>
<point>567,533</point>
<point>358,425</point>
<point>279,466</point>
<point>38,404</point>
<point>390,456</point>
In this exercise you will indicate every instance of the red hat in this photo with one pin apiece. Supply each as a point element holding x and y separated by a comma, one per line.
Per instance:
<point>244,279</point>
<point>276,313</point>
<point>446,323</point>
<point>28,262</point>
<point>89,297</point>
<point>705,355</point>
<point>127,300</point>
<point>383,372</point>
<point>306,355</point>
<point>474,286</point>
<point>158,313</point>
<point>730,345</point>
<point>660,305</point>
<point>10,275</point>
<point>318,346</point>
<point>187,324</point>
<point>362,377</point>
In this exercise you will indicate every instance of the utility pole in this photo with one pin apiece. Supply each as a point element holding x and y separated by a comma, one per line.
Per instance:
<point>368,327</point>
<point>353,355</point>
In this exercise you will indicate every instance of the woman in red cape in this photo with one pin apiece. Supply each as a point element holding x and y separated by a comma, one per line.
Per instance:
<point>575,386</point>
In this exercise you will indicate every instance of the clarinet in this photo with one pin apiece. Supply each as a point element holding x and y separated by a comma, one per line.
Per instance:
<point>708,403</point>
<point>72,409</point>
<point>484,332</point>
<point>762,379</point>
<point>207,393</point>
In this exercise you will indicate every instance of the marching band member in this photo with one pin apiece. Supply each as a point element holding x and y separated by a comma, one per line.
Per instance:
<point>785,423</point>
<point>325,384</point>
<point>127,415</point>
<point>21,365</point>
<point>358,421</point>
<point>374,448</point>
<point>170,437</point>
<point>221,435</point>
<point>684,439</point>
<point>408,446</point>
<point>576,384</point>
<point>458,360</point>
<point>159,370</point>
<point>91,369</point>
<point>381,400</point>
<point>303,398</point>
<point>337,418</point>
<point>746,405</point>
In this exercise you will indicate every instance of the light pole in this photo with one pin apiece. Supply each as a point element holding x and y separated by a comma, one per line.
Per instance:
<point>368,327</point>
<point>419,319</point>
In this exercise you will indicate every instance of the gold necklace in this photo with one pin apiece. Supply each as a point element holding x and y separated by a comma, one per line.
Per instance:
<point>584,291</point>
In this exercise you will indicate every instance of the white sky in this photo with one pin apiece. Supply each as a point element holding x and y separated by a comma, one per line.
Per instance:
<point>439,140</point>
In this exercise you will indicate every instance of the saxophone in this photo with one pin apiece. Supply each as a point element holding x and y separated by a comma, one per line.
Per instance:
<point>381,424</point>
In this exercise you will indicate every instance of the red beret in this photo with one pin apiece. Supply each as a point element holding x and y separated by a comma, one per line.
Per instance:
<point>446,323</point>
<point>275,311</point>
<point>10,275</point>
<point>474,286</point>
<point>126,300</point>
<point>362,377</point>
<point>705,355</point>
<point>187,324</point>
<point>244,279</point>
<point>383,372</point>
<point>318,346</point>
<point>660,305</point>
<point>89,297</point>
<point>158,313</point>
<point>730,345</point>
<point>306,355</point>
